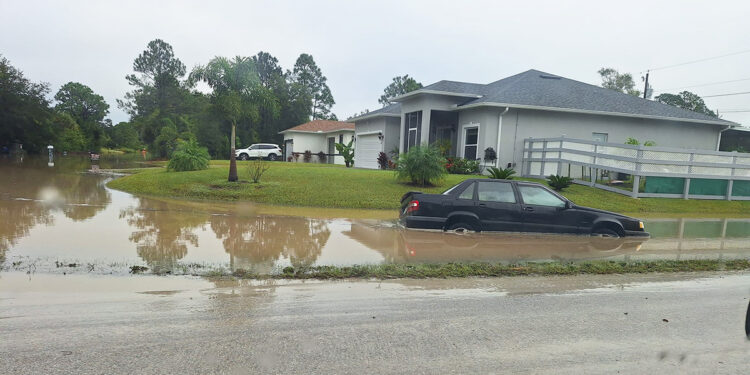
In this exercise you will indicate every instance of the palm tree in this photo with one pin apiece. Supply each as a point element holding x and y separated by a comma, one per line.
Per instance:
<point>233,83</point>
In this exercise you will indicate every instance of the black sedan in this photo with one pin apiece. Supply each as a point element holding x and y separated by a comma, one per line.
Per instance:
<point>510,206</point>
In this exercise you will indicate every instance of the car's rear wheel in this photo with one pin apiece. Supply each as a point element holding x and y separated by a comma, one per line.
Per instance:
<point>244,157</point>
<point>605,232</point>
<point>272,157</point>
<point>462,227</point>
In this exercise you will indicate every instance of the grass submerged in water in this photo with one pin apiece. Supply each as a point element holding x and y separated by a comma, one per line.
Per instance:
<point>446,270</point>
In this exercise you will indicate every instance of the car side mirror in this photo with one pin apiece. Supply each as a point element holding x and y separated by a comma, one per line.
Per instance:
<point>568,205</point>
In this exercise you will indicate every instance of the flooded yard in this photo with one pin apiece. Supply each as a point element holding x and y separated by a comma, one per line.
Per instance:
<point>63,219</point>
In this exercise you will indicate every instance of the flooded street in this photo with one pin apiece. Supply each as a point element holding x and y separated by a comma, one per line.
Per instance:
<point>63,219</point>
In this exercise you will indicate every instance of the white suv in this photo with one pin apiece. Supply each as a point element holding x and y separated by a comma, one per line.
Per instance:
<point>259,150</point>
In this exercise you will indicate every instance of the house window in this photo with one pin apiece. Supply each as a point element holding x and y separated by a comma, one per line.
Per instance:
<point>471,137</point>
<point>412,130</point>
<point>341,138</point>
<point>600,137</point>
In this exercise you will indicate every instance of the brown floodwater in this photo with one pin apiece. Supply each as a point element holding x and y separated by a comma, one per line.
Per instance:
<point>63,219</point>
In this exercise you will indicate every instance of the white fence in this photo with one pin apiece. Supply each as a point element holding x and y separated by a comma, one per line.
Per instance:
<point>641,171</point>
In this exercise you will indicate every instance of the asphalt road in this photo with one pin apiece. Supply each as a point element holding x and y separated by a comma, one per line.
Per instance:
<point>52,324</point>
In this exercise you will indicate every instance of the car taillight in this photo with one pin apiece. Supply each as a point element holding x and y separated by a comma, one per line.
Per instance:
<point>413,206</point>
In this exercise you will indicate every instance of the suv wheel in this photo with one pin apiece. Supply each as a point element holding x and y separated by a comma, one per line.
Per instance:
<point>244,157</point>
<point>272,157</point>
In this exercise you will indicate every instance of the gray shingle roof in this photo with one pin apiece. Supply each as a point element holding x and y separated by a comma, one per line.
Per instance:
<point>392,109</point>
<point>539,89</point>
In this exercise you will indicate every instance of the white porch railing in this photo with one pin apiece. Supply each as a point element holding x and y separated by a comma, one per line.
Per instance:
<point>626,169</point>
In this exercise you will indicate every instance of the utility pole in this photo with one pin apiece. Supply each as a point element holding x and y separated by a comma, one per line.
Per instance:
<point>645,88</point>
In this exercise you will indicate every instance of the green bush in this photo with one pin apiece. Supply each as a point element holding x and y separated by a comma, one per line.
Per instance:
<point>501,174</point>
<point>461,166</point>
<point>188,156</point>
<point>421,165</point>
<point>558,182</point>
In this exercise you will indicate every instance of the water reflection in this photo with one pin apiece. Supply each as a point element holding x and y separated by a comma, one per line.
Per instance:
<point>255,244</point>
<point>410,246</point>
<point>161,237</point>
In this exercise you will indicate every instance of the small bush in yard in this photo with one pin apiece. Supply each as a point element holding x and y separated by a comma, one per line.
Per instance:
<point>421,165</point>
<point>383,160</point>
<point>347,152</point>
<point>307,156</point>
<point>558,182</point>
<point>256,168</point>
<point>188,156</point>
<point>322,157</point>
<point>501,174</point>
<point>461,166</point>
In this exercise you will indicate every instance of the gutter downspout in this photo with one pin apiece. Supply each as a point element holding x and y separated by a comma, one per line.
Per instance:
<point>499,130</point>
<point>718,141</point>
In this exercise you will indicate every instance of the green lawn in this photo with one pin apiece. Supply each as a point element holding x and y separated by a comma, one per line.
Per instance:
<point>323,185</point>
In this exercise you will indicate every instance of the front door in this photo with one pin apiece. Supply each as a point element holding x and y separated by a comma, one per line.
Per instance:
<point>331,149</point>
<point>288,149</point>
<point>498,207</point>
<point>545,212</point>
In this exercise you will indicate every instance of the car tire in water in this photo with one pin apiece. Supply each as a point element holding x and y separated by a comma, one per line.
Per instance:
<point>244,157</point>
<point>272,157</point>
<point>461,227</point>
<point>605,232</point>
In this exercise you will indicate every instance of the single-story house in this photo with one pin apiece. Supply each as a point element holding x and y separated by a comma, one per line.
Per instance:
<point>501,114</point>
<point>316,136</point>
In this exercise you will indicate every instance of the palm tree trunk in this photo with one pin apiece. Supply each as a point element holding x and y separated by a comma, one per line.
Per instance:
<point>232,158</point>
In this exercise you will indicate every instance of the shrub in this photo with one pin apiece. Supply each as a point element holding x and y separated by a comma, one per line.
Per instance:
<point>289,158</point>
<point>444,145</point>
<point>501,174</point>
<point>383,160</point>
<point>558,182</point>
<point>461,166</point>
<point>256,168</point>
<point>188,156</point>
<point>296,156</point>
<point>322,157</point>
<point>421,165</point>
<point>307,156</point>
<point>347,151</point>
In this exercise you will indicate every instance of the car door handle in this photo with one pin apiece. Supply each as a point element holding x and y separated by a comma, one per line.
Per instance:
<point>482,205</point>
<point>529,208</point>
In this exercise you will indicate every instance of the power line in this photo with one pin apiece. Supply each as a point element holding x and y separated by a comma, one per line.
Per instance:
<point>734,93</point>
<point>705,84</point>
<point>697,61</point>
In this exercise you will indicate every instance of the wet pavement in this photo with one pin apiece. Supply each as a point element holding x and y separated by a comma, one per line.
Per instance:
<point>63,220</point>
<point>594,324</point>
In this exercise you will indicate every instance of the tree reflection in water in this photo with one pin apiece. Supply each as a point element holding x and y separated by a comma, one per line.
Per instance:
<point>163,235</point>
<point>16,220</point>
<point>254,244</point>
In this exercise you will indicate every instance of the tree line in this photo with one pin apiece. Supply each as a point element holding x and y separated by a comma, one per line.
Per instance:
<point>253,95</point>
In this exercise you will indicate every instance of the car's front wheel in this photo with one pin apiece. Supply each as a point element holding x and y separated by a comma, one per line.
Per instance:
<point>462,228</point>
<point>272,157</point>
<point>605,232</point>
<point>244,157</point>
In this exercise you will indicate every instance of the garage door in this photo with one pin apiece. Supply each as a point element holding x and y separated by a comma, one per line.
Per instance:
<point>366,151</point>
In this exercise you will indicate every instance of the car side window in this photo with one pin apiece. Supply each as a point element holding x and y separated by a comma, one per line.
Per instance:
<point>253,148</point>
<point>491,191</point>
<point>539,196</point>
<point>468,193</point>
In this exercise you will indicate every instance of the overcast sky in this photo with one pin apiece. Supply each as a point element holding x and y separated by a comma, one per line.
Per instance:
<point>361,45</point>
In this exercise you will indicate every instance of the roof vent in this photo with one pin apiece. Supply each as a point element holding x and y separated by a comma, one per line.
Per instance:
<point>546,76</point>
